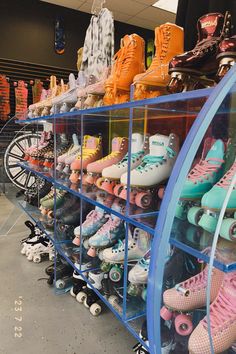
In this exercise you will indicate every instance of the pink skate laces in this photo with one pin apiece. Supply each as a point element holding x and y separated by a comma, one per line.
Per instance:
<point>226,179</point>
<point>204,169</point>
<point>223,308</point>
<point>193,283</point>
<point>110,225</point>
<point>94,216</point>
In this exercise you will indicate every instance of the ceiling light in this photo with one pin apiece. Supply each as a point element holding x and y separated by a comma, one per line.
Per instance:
<point>167,5</point>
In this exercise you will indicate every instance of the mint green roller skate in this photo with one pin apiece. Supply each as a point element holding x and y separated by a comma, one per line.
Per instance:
<point>212,202</point>
<point>200,180</point>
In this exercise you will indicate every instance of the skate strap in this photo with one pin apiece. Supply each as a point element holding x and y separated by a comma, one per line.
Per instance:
<point>226,179</point>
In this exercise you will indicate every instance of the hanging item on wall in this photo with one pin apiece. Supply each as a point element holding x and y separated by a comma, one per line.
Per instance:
<point>37,90</point>
<point>4,98</point>
<point>59,36</point>
<point>21,95</point>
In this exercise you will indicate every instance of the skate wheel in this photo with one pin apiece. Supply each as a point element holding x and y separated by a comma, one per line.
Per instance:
<point>180,212</point>
<point>105,267</point>
<point>194,215</point>
<point>161,192</point>
<point>166,314</point>
<point>72,292</point>
<point>85,303</point>
<point>113,300</point>
<point>228,229</point>
<point>143,200</point>
<point>117,189</point>
<point>99,182</point>
<point>60,284</point>
<point>208,222</point>
<point>183,325</point>
<point>44,211</point>
<point>76,241</point>
<point>36,259</point>
<point>175,85</point>
<point>115,274</point>
<point>29,257</point>
<point>81,297</point>
<point>50,214</point>
<point>95,309</point>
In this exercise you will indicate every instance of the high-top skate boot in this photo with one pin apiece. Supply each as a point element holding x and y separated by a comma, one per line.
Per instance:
<point>94,169</point>
<point>155,169</point>
<point>91,151</point>
<point>226,56</point>
<point>139,242</point>
<point>39,248</point>
<point>37,155</point>
<point>111,175</point>
<point>52,92</point>
<point>197,68</point>
<point>62,147</point>
<point>187,296</point>
<point>47,204</point>
<point>94,221</point>
<point>34,235</point>
<point>107,235</point>
<point>138,276</point>
<point>212,203</point>
<point>95,92</point>
<point>222,321</point>
<point>200,180</point>
<point>66,95</point>
<point>32,107</point>
<point>169,41</point>
<point>81,90</point>
<point>39,144</point>
<point>56,91</point>
<point>69,155</point>
<point>129,61</point>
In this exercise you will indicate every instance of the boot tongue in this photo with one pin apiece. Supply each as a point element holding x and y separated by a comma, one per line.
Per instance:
<point>72,82</point>
<point>209,25</point>
<point>91,143</point>
<point>126,40</point>
<point>158,144</point>
<point>116,144</point>
<point>216,152</point>
<point>137,142</point>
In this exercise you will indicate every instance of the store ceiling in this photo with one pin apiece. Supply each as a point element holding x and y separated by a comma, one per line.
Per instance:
<point>135,12</point>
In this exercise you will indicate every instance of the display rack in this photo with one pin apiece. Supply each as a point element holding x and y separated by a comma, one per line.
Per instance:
<point>190,115</point>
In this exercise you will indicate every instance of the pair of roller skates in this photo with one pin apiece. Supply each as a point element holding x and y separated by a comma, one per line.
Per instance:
<point>190,295</point>
<point>64,161</point>
<point>36,245</point>
<point>54,198</point>
<point>78,281</point>
<point>209,60</point>
<point>204,192</point>
<point>149,171</point>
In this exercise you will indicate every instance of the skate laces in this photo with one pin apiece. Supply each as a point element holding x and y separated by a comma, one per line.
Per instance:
<point>110,225</point>
<point>195,282</point>
<point>223,308</point>
<point>124,57</point>
<point>150,160</point>
<point>93,216</point>
<point>226,179</point>
<point>203,170</point>
<point>134,156</point>
<point>144,263</point>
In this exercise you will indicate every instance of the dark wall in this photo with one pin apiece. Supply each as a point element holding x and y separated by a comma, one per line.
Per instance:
<point>27,32</point>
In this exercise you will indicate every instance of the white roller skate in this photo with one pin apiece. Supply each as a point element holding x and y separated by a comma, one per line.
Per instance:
<point>41,247</point>
<point>138,277</point>
<point>34,236</point>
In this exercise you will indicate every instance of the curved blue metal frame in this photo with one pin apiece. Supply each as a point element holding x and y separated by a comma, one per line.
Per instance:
<point>169,204</point>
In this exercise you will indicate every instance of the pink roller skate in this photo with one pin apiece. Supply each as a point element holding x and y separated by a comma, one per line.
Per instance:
<point>222,321</point>
<point>187,296</point>
<point>37,145</point>
<point>91,151</point>
<point>95,92</point>
<point>94,170</point>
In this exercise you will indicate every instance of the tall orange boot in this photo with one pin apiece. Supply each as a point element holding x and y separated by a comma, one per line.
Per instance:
<point>129,61</point>
<point>169,40</point>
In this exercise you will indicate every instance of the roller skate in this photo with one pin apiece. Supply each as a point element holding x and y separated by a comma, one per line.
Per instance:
<point>222,321</point>
<point>111,175</point>
<point>66,94</point>
<point>34,235</point>
<point>38,145</point>
<point>197,68</point>
<point>226,56</point>
<point>128,62</point>
<point>41,247</point>
<point>37,191</point>
<point>62,270</point>
<point>212,202</point>
<point>36,156</point>
<point>96,91</point>
<point>47,203</point>
<point>88,297</point>
<point>65,159</point>
<point>78,284</point>
<point>138,277</point>
<point>106,236</point>
<point>33,107</point>
<point>154,170</point>
<point>62,146</point>
<point>81,90</point>
<point>139,243</point>
<point>200,180</point>
<point>169,41</point>
<point>57,90</point>
<point>180,301</point>
<point>94,169</point>
<point>91,151</point>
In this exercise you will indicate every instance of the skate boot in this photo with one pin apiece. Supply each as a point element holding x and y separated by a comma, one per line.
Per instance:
<point>56,91</point>
<point>212,202</point>
<point>154,170</point>
<point>197,68</point>
<point>222,321</point>
<point>33,107</point>
<point>138,276</point>
<point>37,191</point>
<point>41,247</point>
<point>91,151</point>
<point>139,242</point>
<point>37,155</point>
<point>66,95</point>
<point>52,92</point>
<point>81,90</point>
<point>88,297</point>
<point>95,92</point>
<point>62,146</point>
<point>200,180</point>
<point>169,41</point>
<point>94,169</point>
<point>47,204</point>
<point>226,56</point>
<point>72,152</point>
<point>111,175</point>
<point>34,235</point>
<point>188,296</point>
<point>38,145</point>
<point>78,284</point>
<point>112,231</point>
<point>129,61</point>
